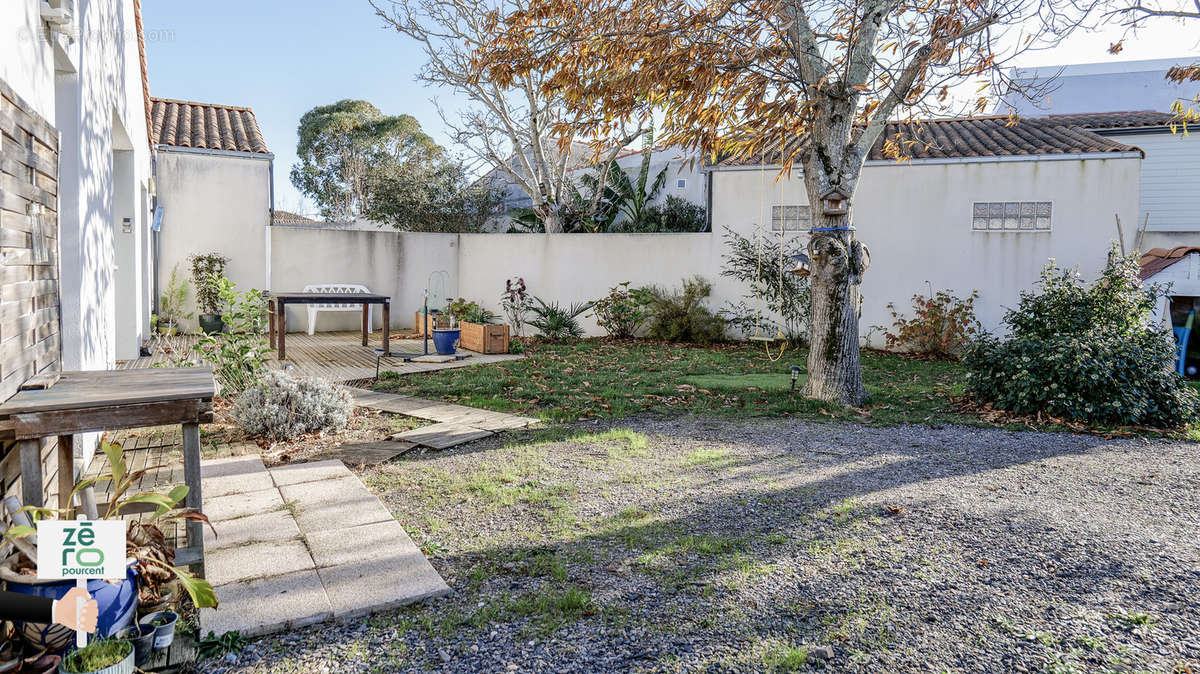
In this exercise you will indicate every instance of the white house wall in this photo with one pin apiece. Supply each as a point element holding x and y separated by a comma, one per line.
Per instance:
<point>916,220</point>
<point>1170,176</point>
<point>393,263</point>
<point>214,202</point>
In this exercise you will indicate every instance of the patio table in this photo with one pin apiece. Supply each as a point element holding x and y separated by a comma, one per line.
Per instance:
<point>277,308</point>
<point>62,404</point>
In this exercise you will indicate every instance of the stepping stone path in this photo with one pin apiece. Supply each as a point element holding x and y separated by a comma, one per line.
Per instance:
<point>302,544</point>
<point>455,424</point>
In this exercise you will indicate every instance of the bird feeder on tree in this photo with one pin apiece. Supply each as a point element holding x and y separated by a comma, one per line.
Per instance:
<point>835,202</point>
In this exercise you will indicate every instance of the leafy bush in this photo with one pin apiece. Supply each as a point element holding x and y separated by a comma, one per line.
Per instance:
<point>470,312</point>
<point>942,325</point>
<point>556,322</point>
<point>281,407</point>
<point>238,356</point>
<point>622,311</point>
<point>1084,352</point>
<point>672,215</point>
<point>787,300</point>
<point>207,270</point>
<point>515,301</point>
<point>681,316</point>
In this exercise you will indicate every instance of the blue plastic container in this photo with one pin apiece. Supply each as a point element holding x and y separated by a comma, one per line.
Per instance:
<point>117,603</point>
<point>443,341</point>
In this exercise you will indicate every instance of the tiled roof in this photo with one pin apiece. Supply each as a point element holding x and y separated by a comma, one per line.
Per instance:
<point>205,126</point>
<point>290,218</point>
<point>985,137</point>
<point>1113,120</point>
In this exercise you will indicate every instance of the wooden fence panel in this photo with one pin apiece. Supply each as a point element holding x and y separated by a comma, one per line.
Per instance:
<point>30,341</point>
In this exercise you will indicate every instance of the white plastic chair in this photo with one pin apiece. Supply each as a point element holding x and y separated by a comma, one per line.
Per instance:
<point>349,289</point>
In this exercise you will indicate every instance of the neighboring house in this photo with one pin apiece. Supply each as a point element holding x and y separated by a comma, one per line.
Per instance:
<point>75,191</point>
<point>214,178</point>
<point>980,206</point>
<point>289,218</point>
<point>1096,87</point>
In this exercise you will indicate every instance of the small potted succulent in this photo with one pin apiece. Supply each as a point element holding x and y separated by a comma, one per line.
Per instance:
<point>207,272</point>
<point>162,625</point>
<point>102,656</point>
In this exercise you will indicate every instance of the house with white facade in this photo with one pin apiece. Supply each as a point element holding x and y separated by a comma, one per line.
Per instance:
<point>214,175</point>
<point>981,205</point>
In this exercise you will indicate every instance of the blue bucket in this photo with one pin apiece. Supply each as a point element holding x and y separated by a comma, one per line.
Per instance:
<point>443,341</point>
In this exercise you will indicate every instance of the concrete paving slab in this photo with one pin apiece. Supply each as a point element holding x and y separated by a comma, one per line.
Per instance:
<point>435,358</point>
<point>277,525</point>
<point>372,568</point>
<point>256,560</point>
<point>368,453</point>
<point>225,485</point>
<point>333,505</point>
<point>233,465</point>
<point>242,505</point>
<point>267,605</point>
<point>309,472</point>
<point>443,436</point>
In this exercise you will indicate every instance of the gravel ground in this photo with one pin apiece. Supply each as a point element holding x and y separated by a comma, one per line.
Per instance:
<point>698,544</point>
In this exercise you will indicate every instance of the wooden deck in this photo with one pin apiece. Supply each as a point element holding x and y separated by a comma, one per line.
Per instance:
<point>339,357</point>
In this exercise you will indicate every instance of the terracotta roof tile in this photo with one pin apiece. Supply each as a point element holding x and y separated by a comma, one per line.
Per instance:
<point>205,126</point>
<point>289,218</point>
<point>994,137</point>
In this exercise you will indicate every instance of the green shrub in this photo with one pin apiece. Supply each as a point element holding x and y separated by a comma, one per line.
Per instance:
<point>681,315</point>
<point>465,311</point>
<point>1084,352</point>
<point>556,322</point>
<point>622,311</point>
<point>773,304</point>
<point>942,325</point>
<point>238,356</point>
<point>207,270</point>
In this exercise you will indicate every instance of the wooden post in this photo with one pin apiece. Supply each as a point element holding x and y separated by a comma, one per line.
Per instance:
<point>191,477</point>
<point>366,325</point>
<point>271,321</point>
<point>387,320</point>
<point>66,473</point>
<point>31,472</point>
<point>281,328</point>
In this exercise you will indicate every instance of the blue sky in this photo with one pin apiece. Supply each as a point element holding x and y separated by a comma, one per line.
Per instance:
<point>283,59</point>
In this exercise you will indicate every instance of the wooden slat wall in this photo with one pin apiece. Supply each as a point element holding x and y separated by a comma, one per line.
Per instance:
<point>29,302</point>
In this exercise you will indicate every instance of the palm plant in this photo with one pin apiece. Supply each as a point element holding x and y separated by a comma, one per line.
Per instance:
<point>557,322</point>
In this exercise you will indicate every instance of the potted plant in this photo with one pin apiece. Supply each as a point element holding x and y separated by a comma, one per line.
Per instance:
<point>150,559</point>
<point>142,639</point>
<point>445,334</point>
<point>207,272</point>
<point>171,305</point>
<point>478,330</point>
<point>516,303</point>
<point>103,656</point>
<point>162,625</point>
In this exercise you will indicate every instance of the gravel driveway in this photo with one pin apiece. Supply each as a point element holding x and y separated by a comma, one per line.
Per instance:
<point>698,544</point>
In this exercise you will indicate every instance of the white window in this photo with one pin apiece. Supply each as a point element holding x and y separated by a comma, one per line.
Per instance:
<point>1011,216</point>
<point>681,183</point>
<point>789,218</point>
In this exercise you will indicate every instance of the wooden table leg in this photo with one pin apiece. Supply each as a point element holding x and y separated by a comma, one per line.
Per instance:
<point>31,472</point>
<point>271,321</point>
<point>281,328</point>
<point>366,324</point>
<point>66,474</point>
<point>191,477</point>
<point>387,322</point>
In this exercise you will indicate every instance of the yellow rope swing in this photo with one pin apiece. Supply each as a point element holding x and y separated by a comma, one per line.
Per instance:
<point>760,235</point>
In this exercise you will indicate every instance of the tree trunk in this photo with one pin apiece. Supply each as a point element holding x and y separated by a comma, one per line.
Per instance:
<point>551,221</point>
<point>837,265</point>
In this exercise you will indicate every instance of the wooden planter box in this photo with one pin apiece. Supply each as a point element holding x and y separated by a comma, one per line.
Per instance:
<point>484,338</point>
<point>419,322</point>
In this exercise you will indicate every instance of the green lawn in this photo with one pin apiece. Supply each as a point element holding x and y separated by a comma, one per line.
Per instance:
<point>604,379</point>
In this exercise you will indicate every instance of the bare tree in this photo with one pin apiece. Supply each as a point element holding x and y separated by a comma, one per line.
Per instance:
<point>519,128</point>
<point>1134,14</point>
